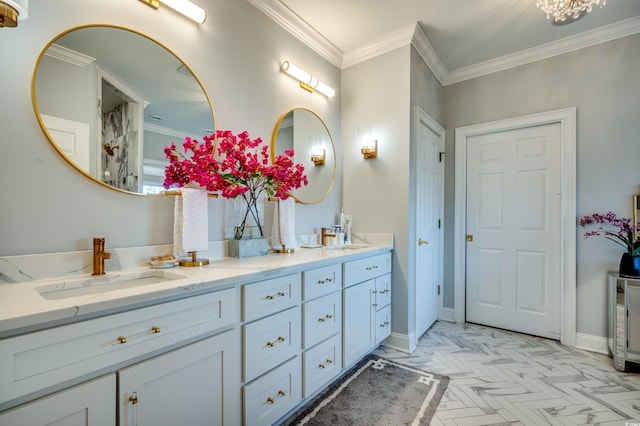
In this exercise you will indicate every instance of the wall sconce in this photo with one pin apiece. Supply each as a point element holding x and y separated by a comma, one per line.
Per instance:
<point>317,156</point>
<point>185,7</point>
<point>10,10</point>
<point>307,81</point>
<point>369,149</point>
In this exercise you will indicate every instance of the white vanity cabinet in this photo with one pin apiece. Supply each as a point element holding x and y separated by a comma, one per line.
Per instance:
<point>271,342</point>
<point>49,361</point>
<point>367,308</point>
<point>188,386</point>
<point>92,403</point>
<point>322,327</point>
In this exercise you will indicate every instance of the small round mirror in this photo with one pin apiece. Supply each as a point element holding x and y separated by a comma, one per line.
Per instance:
<point>109,99</point>
<point>303,131</point>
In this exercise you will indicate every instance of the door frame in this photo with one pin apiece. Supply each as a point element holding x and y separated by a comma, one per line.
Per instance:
<point>421,116</point>
<point>567,119</point>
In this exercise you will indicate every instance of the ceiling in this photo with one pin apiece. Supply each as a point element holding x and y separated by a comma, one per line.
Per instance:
<point>463,37</point>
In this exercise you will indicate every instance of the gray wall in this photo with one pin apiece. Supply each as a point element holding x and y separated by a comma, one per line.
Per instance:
<point>380,95</point>
<point>603,83</point>
<point>47,206</point>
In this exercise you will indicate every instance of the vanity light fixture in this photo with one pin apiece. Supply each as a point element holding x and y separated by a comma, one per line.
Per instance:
<point>369,149</point>
<point>307,81</point>
<point>10,10</point>
<point>185,7</point>
<point>317,156</point>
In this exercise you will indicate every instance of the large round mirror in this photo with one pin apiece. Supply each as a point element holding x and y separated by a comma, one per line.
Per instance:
<point>303,131</point>
<point>109,99</point>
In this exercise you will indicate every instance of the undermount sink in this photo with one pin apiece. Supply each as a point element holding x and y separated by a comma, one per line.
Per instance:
<point>103,283</point>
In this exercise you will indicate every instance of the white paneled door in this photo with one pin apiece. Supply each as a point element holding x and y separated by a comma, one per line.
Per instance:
<point>429,203</point>
<point>513,220</point>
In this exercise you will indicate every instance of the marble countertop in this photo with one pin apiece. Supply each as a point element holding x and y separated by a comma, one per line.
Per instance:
<point>24,309</point>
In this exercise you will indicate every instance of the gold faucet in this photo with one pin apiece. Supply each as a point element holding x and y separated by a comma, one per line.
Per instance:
<point>326,234</point>
<point>99,255</point>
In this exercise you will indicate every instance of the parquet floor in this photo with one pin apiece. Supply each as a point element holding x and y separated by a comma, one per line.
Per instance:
<point>505,378</point>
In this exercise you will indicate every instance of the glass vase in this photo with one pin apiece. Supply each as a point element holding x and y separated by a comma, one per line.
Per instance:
<point>249,217</point>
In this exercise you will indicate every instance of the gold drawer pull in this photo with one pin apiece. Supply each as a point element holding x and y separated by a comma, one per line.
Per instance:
<point>384,324</point>
<point>155,329</point>
<point>122,340</point>
<point>371,268</point>
<point>133,399</point>
<point>278,340</point>
<point>326,317</point>
<point>328,361</point>
<point>273,296</point>
<point>326,280</point>
<point>272,400</point>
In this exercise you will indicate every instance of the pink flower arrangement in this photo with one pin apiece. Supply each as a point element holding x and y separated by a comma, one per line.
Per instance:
<point>623,232</point>
<point>234,166</point>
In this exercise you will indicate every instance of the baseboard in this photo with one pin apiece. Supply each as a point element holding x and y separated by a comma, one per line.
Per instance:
<point>592,343</point>
<point>447,314</point>
<point>399,342</point>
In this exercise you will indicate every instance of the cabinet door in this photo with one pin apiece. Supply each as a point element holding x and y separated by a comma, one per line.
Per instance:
<point>359,318</point>
<point>198,384</point>
<point>383,324</point>
<point>89,404</point>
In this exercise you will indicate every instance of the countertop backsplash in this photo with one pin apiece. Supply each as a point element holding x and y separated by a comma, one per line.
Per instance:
<point>24,268</point>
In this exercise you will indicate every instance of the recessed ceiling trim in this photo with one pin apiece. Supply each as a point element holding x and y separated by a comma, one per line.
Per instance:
<point>391,41</point>
<point>429,55</point>
<point>604,34</point>
<point>69,56</point>
<point>291,22</point>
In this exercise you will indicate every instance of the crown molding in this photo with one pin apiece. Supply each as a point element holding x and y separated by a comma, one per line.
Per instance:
<point>291,22</point>
<point>70,56</point>
<point>414,35</point>
<point>604,34</point>
<point>429,55</point>
<point>391,41</point>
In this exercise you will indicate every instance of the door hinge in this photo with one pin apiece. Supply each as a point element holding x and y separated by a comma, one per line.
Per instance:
<point>438,289</point>
<point>440,155</point>
<point>439,223</point>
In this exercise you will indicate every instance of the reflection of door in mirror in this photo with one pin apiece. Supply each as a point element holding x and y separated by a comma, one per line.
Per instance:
<point>73,138</point>
<point>120,119</point>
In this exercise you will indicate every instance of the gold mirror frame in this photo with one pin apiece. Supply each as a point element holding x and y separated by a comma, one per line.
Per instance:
<point>636,214</point>
<point>303,156</point>
<point>185,69</point>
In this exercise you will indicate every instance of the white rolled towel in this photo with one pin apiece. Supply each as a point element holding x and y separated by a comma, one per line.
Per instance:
<point>191,222</point>
<point>284,224</point>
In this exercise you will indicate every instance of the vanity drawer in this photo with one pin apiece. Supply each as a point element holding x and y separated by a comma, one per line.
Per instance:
<point>270,341</point>
<point>321,281</point>
<point>634,295</point>
<point>270,296</point>
<point>38,360</point>
<point>382,292</point>
<point>322,318</point>
<point>361,270</point>
<point>273,395</point>
<point>321,364</point>
<point>383,324</point>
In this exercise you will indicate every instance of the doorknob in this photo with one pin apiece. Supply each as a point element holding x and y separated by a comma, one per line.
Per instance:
<point>421,242</point>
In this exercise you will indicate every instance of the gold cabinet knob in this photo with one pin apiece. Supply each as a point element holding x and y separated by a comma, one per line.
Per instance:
<point>422,242</point>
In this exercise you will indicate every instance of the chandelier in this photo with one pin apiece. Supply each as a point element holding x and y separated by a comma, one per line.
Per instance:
<point>563,9</point>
